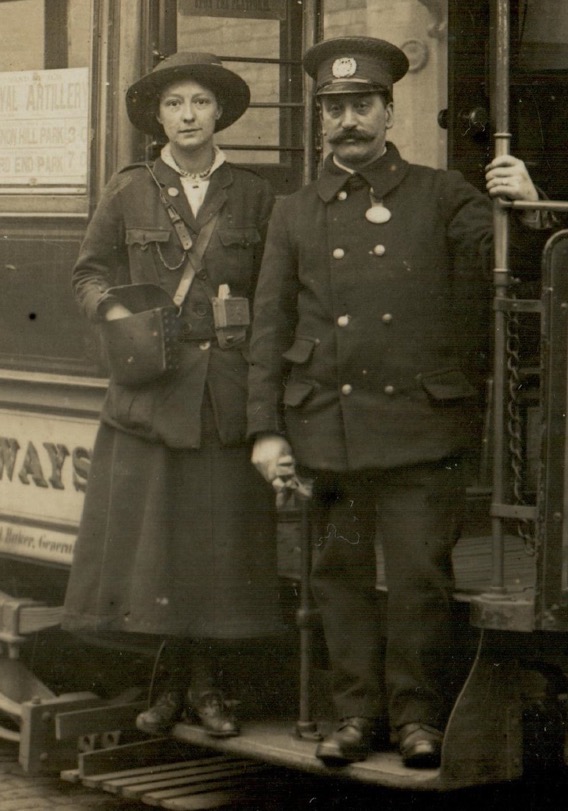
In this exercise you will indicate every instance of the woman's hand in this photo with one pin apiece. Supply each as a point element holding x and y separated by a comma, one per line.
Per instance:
<point>115,311</point>
<point>507,176</point>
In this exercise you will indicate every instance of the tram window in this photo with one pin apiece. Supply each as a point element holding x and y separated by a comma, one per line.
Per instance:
<point>263,46</point>
<point>44,35</point>
<point>44,101</point>
<point>543,36</point>
<point>539,93</point>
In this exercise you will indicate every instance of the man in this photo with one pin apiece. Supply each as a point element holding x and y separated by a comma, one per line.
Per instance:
<point>365,355</point>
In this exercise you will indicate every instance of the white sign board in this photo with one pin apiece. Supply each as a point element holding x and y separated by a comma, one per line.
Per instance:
<point>44,131</point>
<point>44,465</point>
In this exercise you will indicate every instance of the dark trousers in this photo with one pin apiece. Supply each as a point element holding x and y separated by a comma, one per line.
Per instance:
<point>415,513</point>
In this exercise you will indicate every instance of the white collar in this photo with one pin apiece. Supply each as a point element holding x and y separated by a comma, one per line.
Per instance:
<point>167,157</point>
<point>353,171</point>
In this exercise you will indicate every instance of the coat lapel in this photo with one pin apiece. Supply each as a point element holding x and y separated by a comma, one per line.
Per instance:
<point>170,182</point>
<point>384,175</point>
<point>215,197</point>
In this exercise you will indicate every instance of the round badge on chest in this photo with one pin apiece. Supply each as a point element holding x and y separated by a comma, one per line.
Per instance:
<point>378,214</point>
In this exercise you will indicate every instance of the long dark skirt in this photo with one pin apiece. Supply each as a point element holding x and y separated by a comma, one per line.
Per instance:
<point>174,542</point>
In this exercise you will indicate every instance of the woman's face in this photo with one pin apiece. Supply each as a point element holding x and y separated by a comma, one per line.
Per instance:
<point>188,112</point>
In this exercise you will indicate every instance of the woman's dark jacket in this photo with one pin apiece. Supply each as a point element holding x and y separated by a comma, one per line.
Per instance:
<point>131,240</point>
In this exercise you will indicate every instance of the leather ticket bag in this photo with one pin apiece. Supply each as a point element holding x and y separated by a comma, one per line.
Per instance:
<point>143,346</point>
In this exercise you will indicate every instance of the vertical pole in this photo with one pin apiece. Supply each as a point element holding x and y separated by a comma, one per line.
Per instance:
<point>500,91</point>
<point>306,728</point>
<point>311,30</point>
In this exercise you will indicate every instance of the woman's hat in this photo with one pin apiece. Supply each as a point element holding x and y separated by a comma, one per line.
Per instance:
<point>231,91</point>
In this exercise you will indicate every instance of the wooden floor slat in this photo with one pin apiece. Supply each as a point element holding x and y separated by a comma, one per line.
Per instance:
<point>158,787</point>
<point>237,786</point>
<point>117,781</point>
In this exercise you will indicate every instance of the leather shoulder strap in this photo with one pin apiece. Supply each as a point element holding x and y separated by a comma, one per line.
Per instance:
<point>194,252</point>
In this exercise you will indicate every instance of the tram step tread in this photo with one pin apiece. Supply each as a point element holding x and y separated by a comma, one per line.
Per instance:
<point>207,782</point>
<point>192,784</point>
<point>126,774</point>
<point>187,774</point>
<point>140,754</point>
<point>225,793</point>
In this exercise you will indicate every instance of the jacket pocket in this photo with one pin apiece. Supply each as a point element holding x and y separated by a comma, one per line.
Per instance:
<point>446,385</point>
<point>296,393</point>
<point>301,350</point>
<point>143,237</point>
<point>244,237</point>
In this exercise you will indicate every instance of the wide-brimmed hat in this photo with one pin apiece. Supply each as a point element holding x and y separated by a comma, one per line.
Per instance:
<point>231,91</point>
<point>355,65</point>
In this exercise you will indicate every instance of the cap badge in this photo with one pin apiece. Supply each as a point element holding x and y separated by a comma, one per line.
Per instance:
<point>344,67</point>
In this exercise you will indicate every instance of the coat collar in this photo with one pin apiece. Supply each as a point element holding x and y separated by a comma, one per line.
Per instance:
<point>383,175</point>
<point>215,198</point>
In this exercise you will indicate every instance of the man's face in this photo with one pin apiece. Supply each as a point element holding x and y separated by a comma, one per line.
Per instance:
<point>355,126</point>
<point>188,113</point>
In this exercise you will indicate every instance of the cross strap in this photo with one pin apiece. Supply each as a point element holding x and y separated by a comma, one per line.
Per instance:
<point>194,251</point>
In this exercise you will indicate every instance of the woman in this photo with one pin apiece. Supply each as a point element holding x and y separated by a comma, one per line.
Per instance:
<point>177,535</point>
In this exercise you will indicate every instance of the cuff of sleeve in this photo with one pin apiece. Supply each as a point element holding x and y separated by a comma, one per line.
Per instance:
<point>103,304</point>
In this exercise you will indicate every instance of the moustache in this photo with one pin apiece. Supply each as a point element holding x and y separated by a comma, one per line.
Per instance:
<point>352,135</point>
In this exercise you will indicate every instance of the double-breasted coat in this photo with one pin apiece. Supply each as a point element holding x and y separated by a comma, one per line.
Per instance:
<point>178,529</point>
<point>370,341</point>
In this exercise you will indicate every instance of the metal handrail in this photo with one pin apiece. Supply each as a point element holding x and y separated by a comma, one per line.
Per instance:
<point>500,11</point>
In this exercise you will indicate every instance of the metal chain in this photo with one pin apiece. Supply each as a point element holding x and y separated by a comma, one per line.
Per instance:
<point>525,528</point>
<point>163,260</point>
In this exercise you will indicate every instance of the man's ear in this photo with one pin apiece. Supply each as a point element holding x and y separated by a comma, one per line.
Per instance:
<point>319,111</point>
<point>389,117</point>
<point>219,112</point>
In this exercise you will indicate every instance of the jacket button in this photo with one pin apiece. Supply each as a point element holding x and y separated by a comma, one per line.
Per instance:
<point>386,318</point>
<point>389,389</point>
<point>200,310</point>
<point>338,253</point>
<point>347,388</point>
<point>379,250</point>
<point>173,192</point>
<point>342,195</point>
<point>205,345</point>
<point>343,321</point>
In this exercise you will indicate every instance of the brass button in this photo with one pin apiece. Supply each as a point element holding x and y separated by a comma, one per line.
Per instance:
<point>389,389</point>
<point>379,250</point>
<point>205,345</point>
<point>338,253</point>
<point>386,318</point>
<point>347,388</point>
<point>173,192</point>
<point>343,321</point>
<point>342,195</point>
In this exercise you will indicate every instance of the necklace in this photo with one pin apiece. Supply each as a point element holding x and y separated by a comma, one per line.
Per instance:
<point>378,213</point>
<point>195,176</point>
